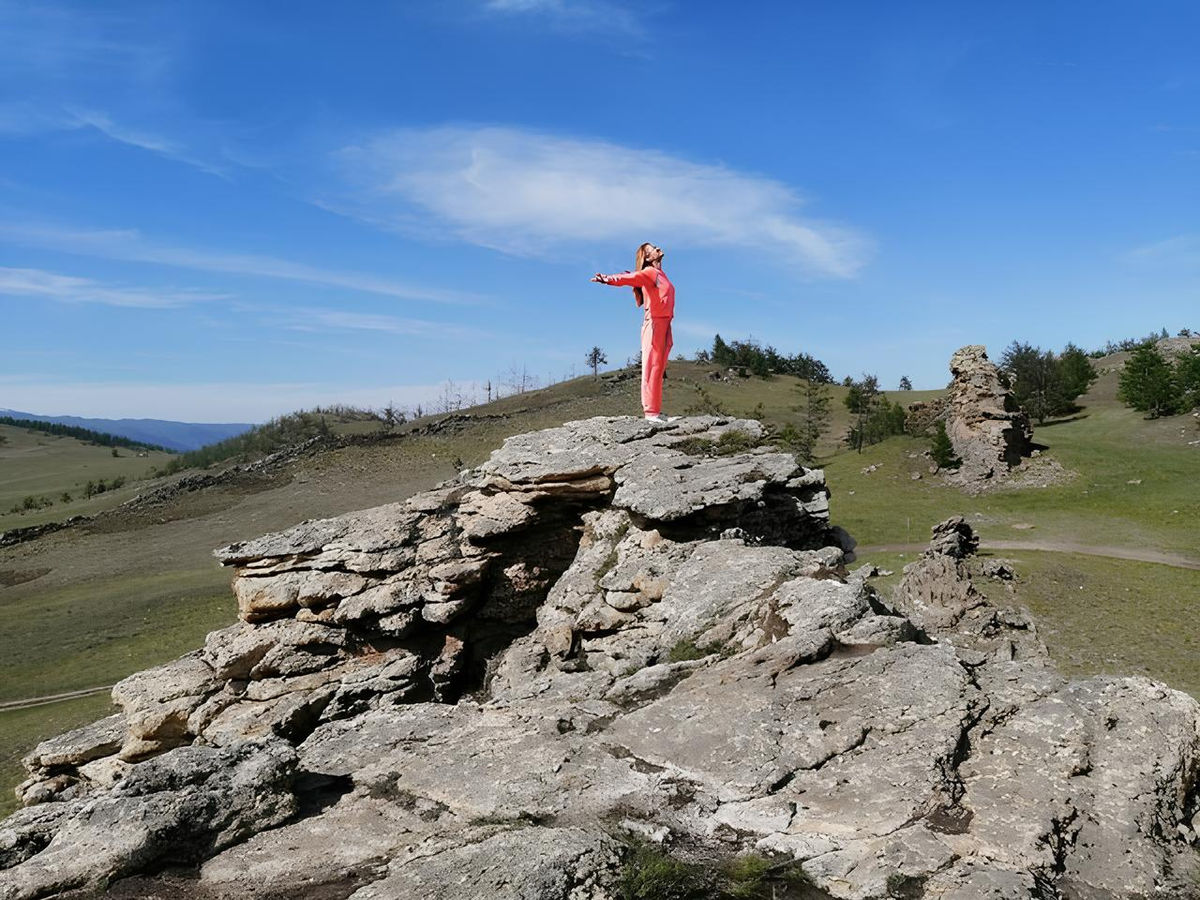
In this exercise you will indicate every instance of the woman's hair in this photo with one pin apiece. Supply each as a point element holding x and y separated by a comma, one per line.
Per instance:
<point>639,263</point>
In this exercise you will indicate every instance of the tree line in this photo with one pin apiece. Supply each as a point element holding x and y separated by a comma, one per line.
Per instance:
<point>100,438</point>
<point>262,440</point>
<point>763,361</point>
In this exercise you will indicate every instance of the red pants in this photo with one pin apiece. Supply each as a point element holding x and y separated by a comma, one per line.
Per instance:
<point>656,349</point>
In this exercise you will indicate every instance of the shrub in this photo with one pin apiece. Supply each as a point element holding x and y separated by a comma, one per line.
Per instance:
<point>651,873</point>
<point>685,651</point>
<point>728,444</point>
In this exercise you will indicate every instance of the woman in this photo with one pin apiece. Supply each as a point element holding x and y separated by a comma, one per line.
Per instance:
<point>652,291</point>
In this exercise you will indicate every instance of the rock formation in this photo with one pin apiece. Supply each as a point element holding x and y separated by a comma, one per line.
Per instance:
<point>990,433</point>
<point>612,634</point>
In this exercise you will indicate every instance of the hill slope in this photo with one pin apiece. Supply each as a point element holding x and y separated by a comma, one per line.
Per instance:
<point>162,432</point>
<point>45,467</point>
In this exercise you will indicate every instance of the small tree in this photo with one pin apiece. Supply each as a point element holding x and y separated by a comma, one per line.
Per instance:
<point>941,449</point>
<point>390,417</point>
<point>721,354</point>
<point>596,358</point>
<point>905,384</point>
<point>860,400</point>
<point>813,420</point>
<point>1076,372</point>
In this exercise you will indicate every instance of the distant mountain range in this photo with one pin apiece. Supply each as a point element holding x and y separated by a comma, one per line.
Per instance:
<point>178,436</point>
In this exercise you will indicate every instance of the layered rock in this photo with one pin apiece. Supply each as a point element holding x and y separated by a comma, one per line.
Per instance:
<point>598,638</point>
<point>989,431</point>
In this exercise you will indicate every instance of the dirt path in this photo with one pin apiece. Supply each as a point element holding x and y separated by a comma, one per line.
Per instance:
<point>52,698</point>
<point>1149,556</point>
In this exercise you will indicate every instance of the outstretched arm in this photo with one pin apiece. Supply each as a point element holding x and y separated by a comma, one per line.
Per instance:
<point>642,279</point>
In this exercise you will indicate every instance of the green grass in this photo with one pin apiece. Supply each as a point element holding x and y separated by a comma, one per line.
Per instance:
<point>22,729</point>
<point>42,465</point>
<point>1096,615</point>
<point>97,633</point>
<point>90,635</point>
<point>1107,446</point>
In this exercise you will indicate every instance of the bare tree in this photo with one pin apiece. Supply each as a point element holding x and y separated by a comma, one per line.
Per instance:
<point>518,380</point>
<point>450,399</point>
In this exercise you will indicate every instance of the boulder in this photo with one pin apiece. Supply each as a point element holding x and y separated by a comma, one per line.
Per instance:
<point>611,634</point>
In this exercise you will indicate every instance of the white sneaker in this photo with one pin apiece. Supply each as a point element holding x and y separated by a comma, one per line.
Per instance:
<point>658,417</point>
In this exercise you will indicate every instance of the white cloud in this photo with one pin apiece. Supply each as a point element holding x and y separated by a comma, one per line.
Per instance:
<point>71,289</point>
<point>323,320</point>
<point>104,124</point>
<point>1181,251</point>
<point>213,401</point>
<point>130,246</point>
<point>520,191</point>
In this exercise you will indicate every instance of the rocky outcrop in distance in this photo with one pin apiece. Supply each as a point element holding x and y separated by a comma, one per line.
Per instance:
<point>612,635</point>
<point>990,433</point>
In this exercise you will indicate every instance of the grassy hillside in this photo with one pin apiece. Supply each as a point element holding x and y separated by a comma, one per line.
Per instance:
<point>87,606</point>
<point>34,464</point>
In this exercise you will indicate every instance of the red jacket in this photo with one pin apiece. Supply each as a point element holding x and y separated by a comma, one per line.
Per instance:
<point>657,288</point>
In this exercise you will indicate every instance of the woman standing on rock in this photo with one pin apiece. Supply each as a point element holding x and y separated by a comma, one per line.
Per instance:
<point>652,291</point>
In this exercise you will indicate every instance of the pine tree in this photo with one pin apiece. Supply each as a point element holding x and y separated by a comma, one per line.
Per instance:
<point>1146,383</point>
<point>814,417</point>
<point>1076,372</point>
<point>596,358</point>
<point>941,449</point>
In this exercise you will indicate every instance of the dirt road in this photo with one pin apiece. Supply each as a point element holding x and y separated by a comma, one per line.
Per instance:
<point>1148,556</point>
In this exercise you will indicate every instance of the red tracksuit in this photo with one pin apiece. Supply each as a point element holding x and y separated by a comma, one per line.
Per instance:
<point>656,329</point>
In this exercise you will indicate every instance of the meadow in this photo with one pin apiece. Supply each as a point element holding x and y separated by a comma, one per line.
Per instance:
<point>34,464</point>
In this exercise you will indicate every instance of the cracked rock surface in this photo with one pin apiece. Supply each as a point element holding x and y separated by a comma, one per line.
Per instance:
<point>610,630</point>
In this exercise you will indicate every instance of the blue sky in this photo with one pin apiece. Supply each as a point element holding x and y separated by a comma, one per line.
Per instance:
<point>219,211</point>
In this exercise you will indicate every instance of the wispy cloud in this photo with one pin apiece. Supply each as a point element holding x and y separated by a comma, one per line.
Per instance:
<point>72,289</point>
<point>519,191</point>
<point>325,320</point>
<point>576,15</point>
<point>1181,251</point>
<point>143,140</point>
<point>56,42</point>
<point>130,246</point>
<point>25,119</point>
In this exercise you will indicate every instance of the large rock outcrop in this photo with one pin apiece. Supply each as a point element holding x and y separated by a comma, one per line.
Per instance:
<point>989,431</point>
<point>611,633</point>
